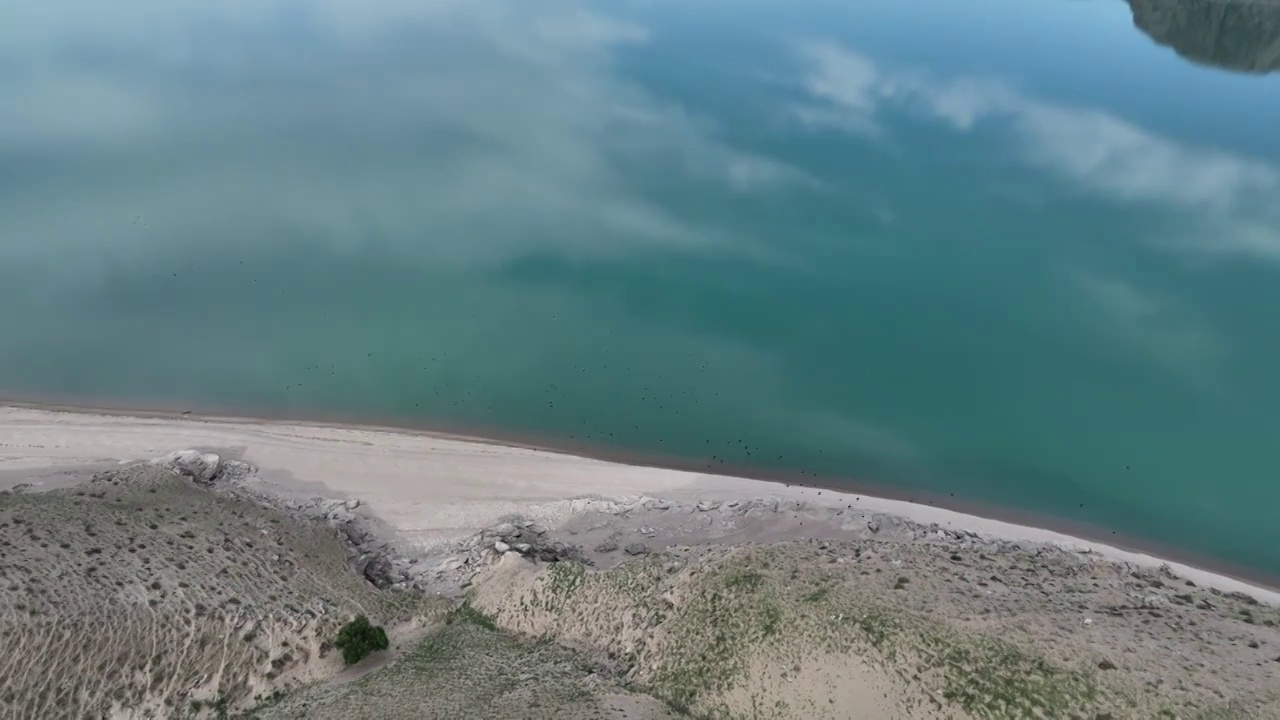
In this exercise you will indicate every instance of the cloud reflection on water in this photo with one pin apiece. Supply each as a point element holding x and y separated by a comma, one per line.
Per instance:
<point>461,132</point>
<point>1229,200</point>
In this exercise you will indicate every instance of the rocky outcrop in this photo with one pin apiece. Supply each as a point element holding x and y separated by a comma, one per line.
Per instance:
<point>374,550</point>
<point>636,549</point>
<point>203,468</point>
<point>523,537</point>
<point>200,467</point>
<point>1238,35</point>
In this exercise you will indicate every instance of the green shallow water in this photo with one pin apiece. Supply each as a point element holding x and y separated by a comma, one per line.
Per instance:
<point>1025,253</point>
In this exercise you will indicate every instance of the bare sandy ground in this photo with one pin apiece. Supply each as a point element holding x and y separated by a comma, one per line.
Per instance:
<point>581,588</point>
<point>434,490</point>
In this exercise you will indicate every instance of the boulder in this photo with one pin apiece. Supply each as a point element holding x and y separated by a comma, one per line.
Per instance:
<point>200,467</point>
<point>234,470</point>
<point>555,552</point>
<point>377,570</point>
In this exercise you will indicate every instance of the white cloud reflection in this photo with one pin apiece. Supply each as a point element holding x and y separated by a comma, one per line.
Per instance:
<point>1154,326</point>
<point>468,131</point>
<point>1233,202</point>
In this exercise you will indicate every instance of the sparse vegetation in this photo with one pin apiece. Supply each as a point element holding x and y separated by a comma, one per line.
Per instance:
<point>991,678</point>
<point>720,633</point>
<point>460,669</point>
<point>358,638</point>
<point>467,613</point>
<point>773,631</point>
<point>137,622</point>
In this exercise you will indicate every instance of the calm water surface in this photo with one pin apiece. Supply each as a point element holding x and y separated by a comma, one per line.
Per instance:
<point>1022,251</point>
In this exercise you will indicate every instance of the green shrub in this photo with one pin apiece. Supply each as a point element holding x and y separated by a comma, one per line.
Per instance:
<point>358,638</point>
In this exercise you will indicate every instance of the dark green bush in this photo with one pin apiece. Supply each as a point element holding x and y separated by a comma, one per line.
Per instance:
<point>358,638</point>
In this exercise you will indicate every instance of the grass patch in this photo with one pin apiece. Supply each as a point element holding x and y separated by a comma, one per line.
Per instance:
<point>995,680</point>
<point>770,620</point>
<point>712,637</point>
<point>818,595</point>
<point>877,626</point>
<point>744,580</point>
<point>467,613</point>
<point>460,670</point>
<point>565,577</point>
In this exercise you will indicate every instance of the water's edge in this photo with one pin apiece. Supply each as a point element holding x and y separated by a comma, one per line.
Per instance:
<point>493,436</point>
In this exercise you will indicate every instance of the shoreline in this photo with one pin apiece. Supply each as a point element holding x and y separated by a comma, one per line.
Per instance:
<point>728,482</point>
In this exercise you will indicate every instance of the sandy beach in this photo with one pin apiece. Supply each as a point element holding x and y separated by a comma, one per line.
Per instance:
<point>432,488</point>
<point>522,582</point>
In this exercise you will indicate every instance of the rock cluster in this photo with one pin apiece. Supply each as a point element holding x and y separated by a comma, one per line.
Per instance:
<point>524,537</point>
<point>386,563</point>
<point>203,468</point>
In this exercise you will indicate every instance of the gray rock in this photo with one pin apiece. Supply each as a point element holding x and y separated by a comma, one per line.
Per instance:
<point>607,546</point>
<point>200,467</point>
<point>556,551</point>
<point>234,470</point>
<point>340,516</point>
<point>505,529</point>
<point>523,548</point>
<point>707,505</point>
<point>873,526</point>
<point>501,547</point>
<point>636,549</point>
<point>21,488</point>
<point>355,535</point>
<point>377,570</point>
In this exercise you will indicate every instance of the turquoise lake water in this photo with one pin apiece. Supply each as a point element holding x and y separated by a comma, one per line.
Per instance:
<point>1022,251</point>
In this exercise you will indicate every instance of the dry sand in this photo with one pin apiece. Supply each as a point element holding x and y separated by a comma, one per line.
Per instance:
<point>667,594</point>
<point>432,488</point>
